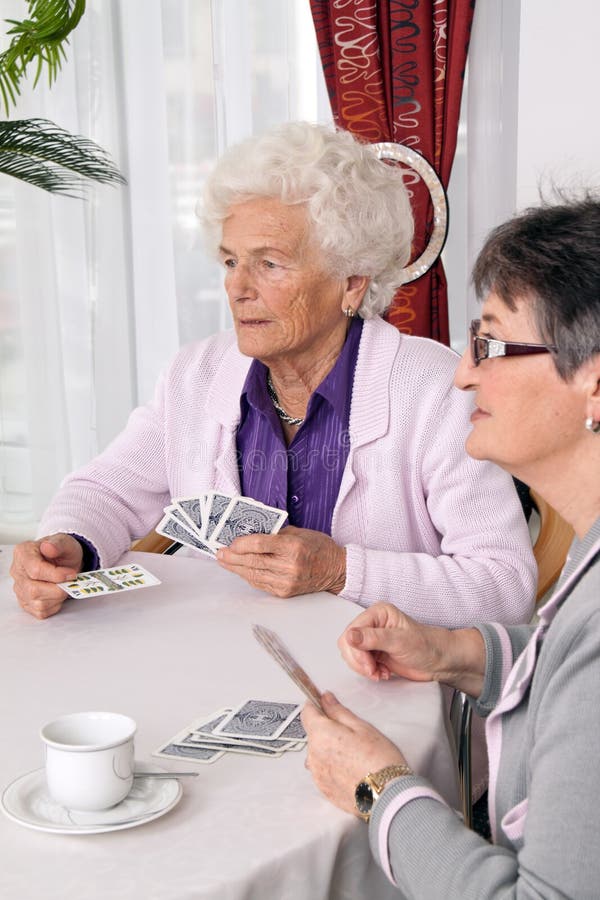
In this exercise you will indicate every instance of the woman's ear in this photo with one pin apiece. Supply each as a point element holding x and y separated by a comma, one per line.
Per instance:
<point>355,290</point>
<point>591,381</point>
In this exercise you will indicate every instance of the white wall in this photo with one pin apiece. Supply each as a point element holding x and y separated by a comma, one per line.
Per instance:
<point>532,118</point>
<point>492,116</point>
<point>558,135</point>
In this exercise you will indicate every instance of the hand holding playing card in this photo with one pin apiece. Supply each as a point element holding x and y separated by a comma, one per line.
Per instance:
<point>129,577</point>
<point>342,748</point>
<point>39,566</point>
<point>215,519</point>
<point>295,561</point>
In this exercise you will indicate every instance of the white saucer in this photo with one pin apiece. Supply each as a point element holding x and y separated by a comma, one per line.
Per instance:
<point>26,801</point>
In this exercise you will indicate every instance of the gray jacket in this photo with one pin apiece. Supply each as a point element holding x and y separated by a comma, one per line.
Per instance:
<point>541,696</point>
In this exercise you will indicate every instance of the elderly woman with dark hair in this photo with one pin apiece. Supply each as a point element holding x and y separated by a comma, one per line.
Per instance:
<point>313,404</point>
<point>534,365</point>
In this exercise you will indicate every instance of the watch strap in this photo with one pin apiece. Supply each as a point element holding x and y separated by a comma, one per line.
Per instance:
<point>388,773</point>
<point>369,788</point>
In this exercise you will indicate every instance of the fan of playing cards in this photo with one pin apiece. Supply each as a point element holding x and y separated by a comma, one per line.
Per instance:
<point>258,727</point>
<point>215,519</point>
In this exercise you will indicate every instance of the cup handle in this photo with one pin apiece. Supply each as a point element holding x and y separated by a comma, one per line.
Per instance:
<point>115,766</point>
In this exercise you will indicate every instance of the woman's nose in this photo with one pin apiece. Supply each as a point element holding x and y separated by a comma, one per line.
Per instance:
<point>239,282</point>
<point>465,376</point>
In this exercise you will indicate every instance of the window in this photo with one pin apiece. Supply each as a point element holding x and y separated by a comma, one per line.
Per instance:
<point>96,296</point>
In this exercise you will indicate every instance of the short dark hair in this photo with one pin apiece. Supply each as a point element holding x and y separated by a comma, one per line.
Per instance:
<point>549,255</point>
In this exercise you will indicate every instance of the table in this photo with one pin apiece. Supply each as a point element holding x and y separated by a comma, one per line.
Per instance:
<point>247,828</point>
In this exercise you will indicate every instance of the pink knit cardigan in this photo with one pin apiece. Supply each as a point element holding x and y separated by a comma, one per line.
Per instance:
<point>425,527</point>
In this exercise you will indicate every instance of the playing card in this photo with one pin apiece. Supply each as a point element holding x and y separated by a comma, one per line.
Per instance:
<point>216,505</point>
<point>202,732</point>
<point>191,753</point>
<point>84,585</point>
<point>247,516</point>
<point>294,731</point>
<point>264,719</point>
<point>191,509</point>
<point>177,514</point>
<point>233,746</point>
<point>275,646</point>
<point>172,528</point>
<point>207,748</point>
<point>202,741</point>
<point>104,581</point>
<point>207,725</point>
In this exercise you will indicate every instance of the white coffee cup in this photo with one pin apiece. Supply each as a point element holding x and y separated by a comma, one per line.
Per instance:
<point>89,759</point>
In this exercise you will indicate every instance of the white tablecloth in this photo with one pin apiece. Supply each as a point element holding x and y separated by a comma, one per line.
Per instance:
<point>247,828</point>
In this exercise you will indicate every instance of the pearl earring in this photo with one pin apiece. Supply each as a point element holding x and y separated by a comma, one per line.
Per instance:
<point>592,426</point>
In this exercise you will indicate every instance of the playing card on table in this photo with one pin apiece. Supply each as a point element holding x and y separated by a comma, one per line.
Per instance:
<point>294,732</point>
<point>190,744</point>
<point>247,516</point>
<point>203,742</point>
<point>230,745</point>
<point>191,753</point>
<point>202,732</point>
<point>207,724</point>
<point>264,719</point>
<point>105,581</point>
<point>182,746</point>
<point>172,527</point>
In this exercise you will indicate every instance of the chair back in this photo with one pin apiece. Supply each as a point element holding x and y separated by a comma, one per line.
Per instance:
<point>153,543</point>
<point>551,545</point>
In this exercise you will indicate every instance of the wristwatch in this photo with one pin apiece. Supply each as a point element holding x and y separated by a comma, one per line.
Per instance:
<point>368,790</point>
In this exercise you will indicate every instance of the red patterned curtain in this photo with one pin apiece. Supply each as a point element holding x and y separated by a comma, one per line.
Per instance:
<point>394,71</point>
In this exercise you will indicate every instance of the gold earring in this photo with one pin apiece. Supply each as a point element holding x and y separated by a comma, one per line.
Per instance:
<point>349,312</point>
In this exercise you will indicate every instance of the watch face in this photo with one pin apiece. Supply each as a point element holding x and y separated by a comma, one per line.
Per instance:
<point>363,796</point>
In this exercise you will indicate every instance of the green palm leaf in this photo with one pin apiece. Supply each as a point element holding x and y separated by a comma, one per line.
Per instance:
<point>41,37</point>
<point>47,156</point>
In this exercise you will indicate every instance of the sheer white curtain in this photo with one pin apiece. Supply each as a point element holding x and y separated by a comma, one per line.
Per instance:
<point>96,295</point>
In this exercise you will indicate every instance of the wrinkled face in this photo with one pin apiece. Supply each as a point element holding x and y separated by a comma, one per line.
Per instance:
<point>284,305</point>
<point>525,415</point>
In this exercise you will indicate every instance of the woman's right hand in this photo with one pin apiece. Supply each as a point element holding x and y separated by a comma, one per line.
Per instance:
<point>382,641</point>
<point>38,566</point>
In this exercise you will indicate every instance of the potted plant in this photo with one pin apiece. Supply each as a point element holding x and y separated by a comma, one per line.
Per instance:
<point>36,150</point>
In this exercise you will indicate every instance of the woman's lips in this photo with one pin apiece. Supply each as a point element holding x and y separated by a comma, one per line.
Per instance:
<point>478,414</point>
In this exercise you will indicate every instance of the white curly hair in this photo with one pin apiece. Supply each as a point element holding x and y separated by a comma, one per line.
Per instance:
<point>358,207</point>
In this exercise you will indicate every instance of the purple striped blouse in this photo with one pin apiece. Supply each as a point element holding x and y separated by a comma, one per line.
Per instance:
<point>305,477</point>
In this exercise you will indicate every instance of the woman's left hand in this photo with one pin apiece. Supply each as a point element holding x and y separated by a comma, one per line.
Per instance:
<point>295,561</point>
<point>342,749</point>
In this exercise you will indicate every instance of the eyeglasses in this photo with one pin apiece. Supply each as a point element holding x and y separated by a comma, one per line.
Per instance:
<point>486,348</point>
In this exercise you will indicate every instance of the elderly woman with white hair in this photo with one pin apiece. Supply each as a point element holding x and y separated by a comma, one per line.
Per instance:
<point>313,404</point>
